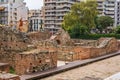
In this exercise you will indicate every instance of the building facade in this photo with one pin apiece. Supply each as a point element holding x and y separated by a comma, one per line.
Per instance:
<point>14,10</point>
<point>100,6</point>
<point>110,8</point>
<point>54,11</point>
<point>24,58</point>
<point>35,20</point>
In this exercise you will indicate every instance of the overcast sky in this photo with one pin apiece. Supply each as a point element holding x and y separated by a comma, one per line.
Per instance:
<point>34,4</point>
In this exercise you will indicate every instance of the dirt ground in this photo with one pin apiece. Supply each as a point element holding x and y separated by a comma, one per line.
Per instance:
<point>95,71</point>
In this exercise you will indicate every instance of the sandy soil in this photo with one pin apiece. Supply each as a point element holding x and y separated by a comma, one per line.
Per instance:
<point>101,69</point>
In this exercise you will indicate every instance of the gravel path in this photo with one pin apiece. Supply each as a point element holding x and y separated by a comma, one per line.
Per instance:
<point>95,71</point>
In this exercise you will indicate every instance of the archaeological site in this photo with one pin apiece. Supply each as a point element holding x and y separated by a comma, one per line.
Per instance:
<point>24,54</point>
<point>39,51</point>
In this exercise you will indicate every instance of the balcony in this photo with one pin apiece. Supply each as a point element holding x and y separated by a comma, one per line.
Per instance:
<point>50,6</point>
<point>50,2</point>
<point>58,23</point>
<point>109,9</point>
<point>59,19</point>
<point>50,10</point>
<point>49,23</point>
<point>66,1</point>
<point>50,15</point>
<point>101,8</point>
<point>50,19</point>
<point>108,12</point>
<point>63,10</point>
<point>110,5</point>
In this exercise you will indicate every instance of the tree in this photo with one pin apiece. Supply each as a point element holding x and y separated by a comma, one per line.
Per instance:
<point>81,14</point>
<point>104,22</point>
<point>78,30</point>
<point>117,30</point>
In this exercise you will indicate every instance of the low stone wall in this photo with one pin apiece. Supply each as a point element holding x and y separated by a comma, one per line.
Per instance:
<point>31,61</point>
<point>13,46</point>
<point>119,44</point>
<point>106,46</point>
<point>81,42</point>
<point>37,36</point>
<point>4,67</point>
<point>27,53</point>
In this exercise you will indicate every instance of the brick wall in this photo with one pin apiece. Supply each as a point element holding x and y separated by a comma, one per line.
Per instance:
<point>39,35</point>
<point>4,67</point>
<point>28,62</point>
<point>14,50</point>
<point>104,46</point>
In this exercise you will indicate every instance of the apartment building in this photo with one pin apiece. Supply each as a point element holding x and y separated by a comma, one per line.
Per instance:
<point>35,20</point>
<point>110,8</point>
<point>50,14</point>
<point>100,6</point>
<point>55,11</point>
<point>14,10</point>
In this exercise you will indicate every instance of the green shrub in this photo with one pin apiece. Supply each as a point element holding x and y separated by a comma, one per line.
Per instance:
<point>97,36</point>
<point>12,70</point>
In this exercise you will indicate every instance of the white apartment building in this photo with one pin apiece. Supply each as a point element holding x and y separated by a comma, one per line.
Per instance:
<point>54,11</point>
<point>35,20</point>
<point>110,8</point>
<point>14,10</point>
<point>100,6</point>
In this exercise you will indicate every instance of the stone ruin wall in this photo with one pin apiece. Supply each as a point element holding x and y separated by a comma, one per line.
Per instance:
<point>119,44</point>
<point>4,68</point>
<point>11,41</point>
<point>84,49</point>
<point>78,53</point>
<point>86,52</point>
<point>38,36</point>
<point>41,61</point>
<point>12,44</point>
<point>62,38</point>
<point>83,42</point>
<point>111,46</point>
<point>28,63</point>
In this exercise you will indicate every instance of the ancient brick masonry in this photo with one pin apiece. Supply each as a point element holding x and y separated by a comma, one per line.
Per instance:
<point>33,52</point>
<point>88,49</point>
<point>31,61</point>
<point>76,49</point>
<point>35,60</point>
<point>22,53</point>
<point>39,35</point>
<point>4,67</point>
